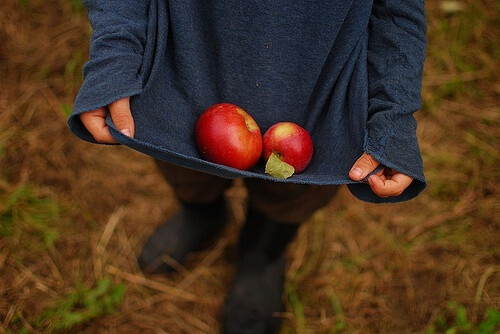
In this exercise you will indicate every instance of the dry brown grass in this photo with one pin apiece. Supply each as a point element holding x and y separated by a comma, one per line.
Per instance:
<point>74,214</point>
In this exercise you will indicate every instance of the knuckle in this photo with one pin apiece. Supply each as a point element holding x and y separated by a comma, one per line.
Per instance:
<point>102,136</point>
<point>366,161</point>
<point>99,137</point>
<point>120,118</point>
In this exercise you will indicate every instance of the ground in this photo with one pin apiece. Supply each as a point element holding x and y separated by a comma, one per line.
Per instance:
<point>73,215</point>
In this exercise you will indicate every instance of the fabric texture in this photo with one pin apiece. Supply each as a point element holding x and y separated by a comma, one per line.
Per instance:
<point>348,71</point>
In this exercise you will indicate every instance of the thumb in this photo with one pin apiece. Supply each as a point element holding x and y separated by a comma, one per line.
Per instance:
<point>122,117</point>
<point>362,167</point>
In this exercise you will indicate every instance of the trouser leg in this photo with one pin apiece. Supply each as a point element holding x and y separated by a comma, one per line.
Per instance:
<point>275,213</point>
<point>287,202</point>
<point>191,186</point>
<point>201,216</point>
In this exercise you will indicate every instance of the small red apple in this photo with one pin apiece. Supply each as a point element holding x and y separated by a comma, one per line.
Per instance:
<point>226,134</point>
<point>291,143</point>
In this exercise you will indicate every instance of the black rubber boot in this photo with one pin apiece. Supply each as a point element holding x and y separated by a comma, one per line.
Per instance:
<point>256,294</point>
<point>189,230</point>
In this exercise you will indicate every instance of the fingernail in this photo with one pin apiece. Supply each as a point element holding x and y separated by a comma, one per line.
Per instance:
<point>357,173</point>
<point>126,132</point>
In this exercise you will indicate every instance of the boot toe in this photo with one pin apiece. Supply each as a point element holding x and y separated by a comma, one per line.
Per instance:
<point>189,230</point>
<point>255,298</point>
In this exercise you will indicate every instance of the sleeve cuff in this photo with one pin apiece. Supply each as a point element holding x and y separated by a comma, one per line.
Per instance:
<point>107,79</point>
<point>391,139</point>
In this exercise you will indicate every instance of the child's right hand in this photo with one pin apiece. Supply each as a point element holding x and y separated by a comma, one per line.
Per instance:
<point>95,120</point>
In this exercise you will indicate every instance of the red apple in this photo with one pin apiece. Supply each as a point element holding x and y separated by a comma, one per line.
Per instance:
<point>291,143</point>
<point>226,134</point>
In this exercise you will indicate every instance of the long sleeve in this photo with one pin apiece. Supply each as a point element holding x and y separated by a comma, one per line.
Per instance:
<point>396,53</point>
<point>348,71</point>
<point>119,29</point>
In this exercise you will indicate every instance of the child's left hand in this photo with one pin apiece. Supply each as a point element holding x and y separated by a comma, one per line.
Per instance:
<point>385,183</point>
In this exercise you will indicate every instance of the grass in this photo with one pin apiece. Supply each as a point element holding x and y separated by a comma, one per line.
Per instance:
<point>73,215</point>
<point>30,218</point>
<point>73,310</point>
<point>454,321</point>
<point>83,305</point>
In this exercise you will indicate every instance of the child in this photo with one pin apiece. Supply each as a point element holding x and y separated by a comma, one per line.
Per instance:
<point>348,71</point>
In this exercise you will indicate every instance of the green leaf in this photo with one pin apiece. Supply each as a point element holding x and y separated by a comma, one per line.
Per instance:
<point>278,168</point>
<point>492,322</point>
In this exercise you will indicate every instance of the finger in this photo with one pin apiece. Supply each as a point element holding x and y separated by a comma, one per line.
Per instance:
<point>362,167</point>
<point>382,176</point>
<point>95,122</point>
<point>403,180</point>
<point>121,116</point>
<point>389,187</point>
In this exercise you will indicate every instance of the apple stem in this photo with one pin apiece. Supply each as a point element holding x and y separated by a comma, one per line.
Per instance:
<point>278,155</point>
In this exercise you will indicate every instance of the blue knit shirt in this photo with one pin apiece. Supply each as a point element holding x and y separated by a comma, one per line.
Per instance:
<point>348,71</point>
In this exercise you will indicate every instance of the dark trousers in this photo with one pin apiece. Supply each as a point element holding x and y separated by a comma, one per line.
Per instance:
<point>282,202</point>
